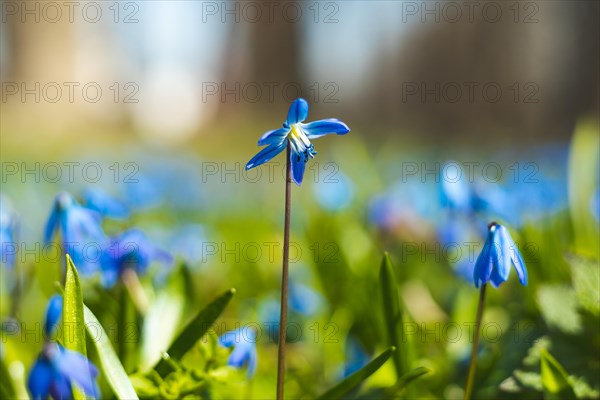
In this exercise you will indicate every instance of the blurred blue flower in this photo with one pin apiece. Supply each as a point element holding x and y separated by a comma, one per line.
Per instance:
<point>78,227</point>
<point>356,356</point>
<point>455,192</point>
<point>8,245</point>
<point>244,353</point>
<point>143,192</point>
<point>496,257</point>
<point>334,194</point>
<point>53,313</point>
<point>56,368</point>
<point>304,300</point>
<point>101,202</point>
<point>298,135</point>
<point>130,249</point>
<point>187,242</point>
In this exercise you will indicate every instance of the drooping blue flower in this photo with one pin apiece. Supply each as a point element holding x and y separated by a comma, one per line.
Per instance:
<point>79,229</point>
<point>298,135</point>
<point>8,245</point>
<point>494,261</point>
<point>130,249</point>
<point>244,353</point>
<point>57,369</point>
<point>53,313</point>
<point>104,204</point>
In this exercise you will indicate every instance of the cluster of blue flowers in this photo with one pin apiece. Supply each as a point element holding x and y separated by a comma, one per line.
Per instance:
<point>79,227</point>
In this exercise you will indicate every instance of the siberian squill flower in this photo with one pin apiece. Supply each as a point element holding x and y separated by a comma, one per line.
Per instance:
<point>494,261</point>
<point>298,135</point>
<point>57,369</point>
<point>243,342</point>
<point>104,204</point>
<point>79,229</point>
<point>130,249</point>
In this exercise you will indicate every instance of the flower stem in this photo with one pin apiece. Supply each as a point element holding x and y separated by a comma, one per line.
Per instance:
<point>473,363</point>
<point>284,277</point>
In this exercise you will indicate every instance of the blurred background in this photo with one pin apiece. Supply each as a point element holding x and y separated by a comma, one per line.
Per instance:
<point>461,113</point>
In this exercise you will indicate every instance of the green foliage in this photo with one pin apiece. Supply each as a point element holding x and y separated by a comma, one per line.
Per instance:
<point>555,380</point>
<point>193,331</point>
<point>110,365</point>
<point>352,381</point>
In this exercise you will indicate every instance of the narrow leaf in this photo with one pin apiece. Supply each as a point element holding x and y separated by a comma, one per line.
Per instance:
<point>351,382</point>
<point>109,362</point>
<point>73,322</point>
<point>555,380</point>
<point>194,330</point>
<point>407,378</point>
<point>392,311</point>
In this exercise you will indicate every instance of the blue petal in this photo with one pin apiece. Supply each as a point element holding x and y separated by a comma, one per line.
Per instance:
<point>298,166</point>
<point>518,262</point>
<point>324,127</point>
<point>266,154</point>
<point>78,369</point>
<point>303,299</point>
<point>53,313</point>
<point>483,266</point>
<point>105,205</point>
<point>231,338</point>
<point>51,225</point>
<point>298,112</point>
<point>39,379</point>
<point>274,136</point>
<point>252,362</point>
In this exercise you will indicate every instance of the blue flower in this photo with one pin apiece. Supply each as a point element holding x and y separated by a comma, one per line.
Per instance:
<point>298,136</point>
<point>78,226</point>
<point>356,356</point>
<point>53,313</point>
<point>131,249</point>
<point>244,353</point>
<point>103,204</point>
<point>496,257</point>
<point>8,246</point>
<point>56,368</point>
<point>454,189</point>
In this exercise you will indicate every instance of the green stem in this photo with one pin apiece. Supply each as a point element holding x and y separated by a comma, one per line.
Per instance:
<point>284,277</point>
<point>473,363</point>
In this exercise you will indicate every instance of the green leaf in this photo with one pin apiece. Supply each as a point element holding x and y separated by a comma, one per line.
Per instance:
<point>72,318</point>
<point>555,380</point>
<point>161,322</point>
<point>109,362</point>
<point>352,381</point>
<point>194,330</point>
<point>392,311</point>
<point>407,378</point>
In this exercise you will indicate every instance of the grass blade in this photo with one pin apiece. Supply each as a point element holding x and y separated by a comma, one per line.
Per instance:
<point>555,380</point>
<point>72,318</point>
<point>351,382</point>
<point>194,330</point>
<point>109,362</point>
<point>392,311</point>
